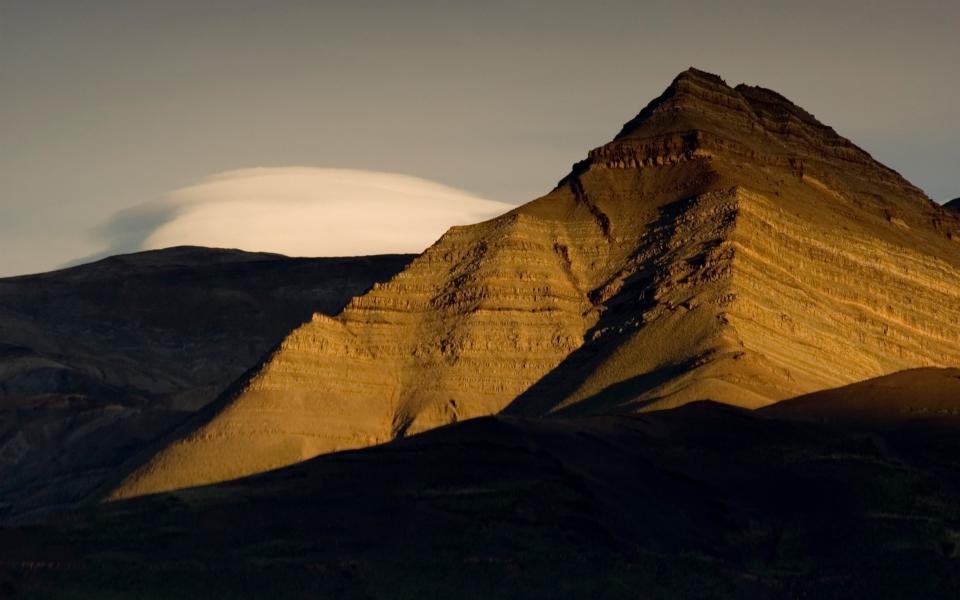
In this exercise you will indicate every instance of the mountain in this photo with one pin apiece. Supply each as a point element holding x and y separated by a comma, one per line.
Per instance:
<point>99,359</point>
<point>926,396</point>
<point>953,204</point>
<point>725,245</point>
<point>701,501</point>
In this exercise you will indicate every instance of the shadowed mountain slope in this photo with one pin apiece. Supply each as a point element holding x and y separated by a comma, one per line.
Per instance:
<point>926,396</point>
<point>705,500</point>
<point>953,204</point>
<point>725,245</point>
<point>97,359</point>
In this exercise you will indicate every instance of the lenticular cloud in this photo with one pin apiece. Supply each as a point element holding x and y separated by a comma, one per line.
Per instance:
<point>300,212</point>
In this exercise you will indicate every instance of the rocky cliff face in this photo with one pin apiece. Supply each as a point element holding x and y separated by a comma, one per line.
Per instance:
<point>97,360</point>
<point>725,245</point>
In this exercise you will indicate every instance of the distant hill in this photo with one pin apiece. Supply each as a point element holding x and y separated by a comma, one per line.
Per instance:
<point>725,245</point>
<point>95,360</point>
<point>924,395</point>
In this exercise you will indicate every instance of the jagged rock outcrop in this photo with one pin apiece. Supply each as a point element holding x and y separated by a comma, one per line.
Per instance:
<point>725,245</point>
<point>98,360</point>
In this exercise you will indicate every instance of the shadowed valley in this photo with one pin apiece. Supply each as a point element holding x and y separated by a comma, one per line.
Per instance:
<point>705,500</point>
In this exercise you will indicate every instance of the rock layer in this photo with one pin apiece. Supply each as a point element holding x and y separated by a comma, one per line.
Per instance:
<point>725,245</point>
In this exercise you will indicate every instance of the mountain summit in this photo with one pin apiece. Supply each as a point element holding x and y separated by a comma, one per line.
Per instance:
<point>700,114</point>
<point>725,245</point>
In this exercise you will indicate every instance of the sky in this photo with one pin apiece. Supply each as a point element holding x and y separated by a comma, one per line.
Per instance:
<point>110,107</point>
<point>276,209</point>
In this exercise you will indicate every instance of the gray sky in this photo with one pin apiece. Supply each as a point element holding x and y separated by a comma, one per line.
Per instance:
<point>109,104</point>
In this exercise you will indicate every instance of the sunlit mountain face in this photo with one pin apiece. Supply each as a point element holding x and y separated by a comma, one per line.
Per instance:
<point>725,245</point>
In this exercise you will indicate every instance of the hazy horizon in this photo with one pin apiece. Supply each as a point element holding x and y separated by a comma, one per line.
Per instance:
<point>110,105</point>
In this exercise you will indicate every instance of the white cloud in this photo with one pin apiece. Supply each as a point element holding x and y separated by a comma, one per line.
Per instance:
<point>300,211</point>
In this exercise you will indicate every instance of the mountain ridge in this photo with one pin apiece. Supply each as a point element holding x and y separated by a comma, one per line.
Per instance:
<point>97,360</point>
<point>921,397</point>
<point>725,246</point>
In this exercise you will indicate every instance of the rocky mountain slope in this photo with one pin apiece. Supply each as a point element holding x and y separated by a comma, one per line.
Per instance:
<point>725,245</point>
<point>96,360</point>
<point>705,500</point>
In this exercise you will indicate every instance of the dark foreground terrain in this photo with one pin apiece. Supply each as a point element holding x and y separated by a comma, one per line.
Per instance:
<point>702,501</point>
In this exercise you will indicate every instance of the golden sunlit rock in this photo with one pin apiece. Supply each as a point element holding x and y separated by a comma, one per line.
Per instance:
<point>725,246</point>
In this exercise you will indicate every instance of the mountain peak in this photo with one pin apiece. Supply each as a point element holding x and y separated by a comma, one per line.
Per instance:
<point>687,88</point>
<point>698,100</point>
<point>695,74</point>
<point>725,246</point>
<point>700,117</point>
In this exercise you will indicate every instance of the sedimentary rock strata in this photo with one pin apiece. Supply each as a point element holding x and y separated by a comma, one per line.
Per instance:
<point>725,245</point>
